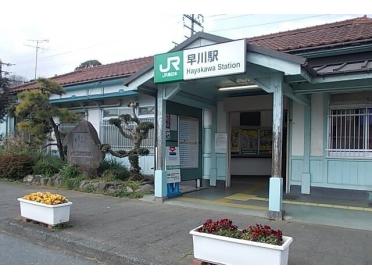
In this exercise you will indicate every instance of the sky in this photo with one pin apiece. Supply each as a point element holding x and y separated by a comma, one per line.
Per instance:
<point>115,32</point>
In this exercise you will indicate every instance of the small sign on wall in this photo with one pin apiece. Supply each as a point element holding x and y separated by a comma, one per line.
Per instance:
<point>173,156</point>
<point>174,176</point>
<point>220,142</point>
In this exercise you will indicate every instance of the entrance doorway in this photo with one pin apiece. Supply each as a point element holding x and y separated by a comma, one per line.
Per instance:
<point>251,151</point>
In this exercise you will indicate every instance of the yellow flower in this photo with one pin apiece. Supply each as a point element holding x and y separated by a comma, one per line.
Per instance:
<point>46,198</point>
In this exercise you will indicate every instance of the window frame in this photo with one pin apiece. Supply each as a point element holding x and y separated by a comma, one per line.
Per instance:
<point>350,153</point>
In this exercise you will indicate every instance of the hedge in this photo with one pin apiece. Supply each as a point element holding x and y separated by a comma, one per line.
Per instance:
<point>15,166</point>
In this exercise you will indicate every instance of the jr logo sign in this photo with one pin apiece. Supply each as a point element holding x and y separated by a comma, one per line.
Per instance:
<point>171,61</point>
<point>168,67</point>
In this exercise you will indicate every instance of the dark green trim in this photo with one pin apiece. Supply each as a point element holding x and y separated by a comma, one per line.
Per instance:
<point>334,51</point>
<point>94,97</point>
<point>94,84</point>
<point>183,110</point>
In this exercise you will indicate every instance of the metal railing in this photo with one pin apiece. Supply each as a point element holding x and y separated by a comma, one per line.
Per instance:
<point>349,132</point>
<point>109,134</point>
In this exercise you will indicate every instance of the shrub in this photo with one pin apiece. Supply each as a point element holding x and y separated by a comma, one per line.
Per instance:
<point>48,165</point>
<point>74,182</point>
<point>69,171</point>
<point>113,170</point>
<point>133,184</point>
<point>122,191</point>
<point>16,145</point>
<point>15,166</point>
<point>71,176</point>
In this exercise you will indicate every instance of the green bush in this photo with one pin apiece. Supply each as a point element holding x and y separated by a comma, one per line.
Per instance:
<point>16,145</point>
<point>69,171</point>
<point>71,176</point>
<point>48,165</point>
<point>74,182</point>
<point>112,170</point>
<point>15,166</point>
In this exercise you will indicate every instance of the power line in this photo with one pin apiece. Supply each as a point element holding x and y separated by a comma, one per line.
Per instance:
<point>267,23</point>
<point>37,47</point>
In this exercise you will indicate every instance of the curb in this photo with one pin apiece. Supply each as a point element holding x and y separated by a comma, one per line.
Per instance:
<point>86,247</point>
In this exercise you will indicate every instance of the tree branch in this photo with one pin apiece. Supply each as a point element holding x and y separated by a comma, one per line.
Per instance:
<point>123,133</point>
<point>49,144</point>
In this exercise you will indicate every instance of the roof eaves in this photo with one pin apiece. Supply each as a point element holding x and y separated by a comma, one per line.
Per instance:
<point>273,53</point>
<point>328,46</point>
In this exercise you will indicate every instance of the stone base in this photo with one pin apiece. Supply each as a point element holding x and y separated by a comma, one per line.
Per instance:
<point>275,194</point>
<point>275,215</point>
<point>160,199</point>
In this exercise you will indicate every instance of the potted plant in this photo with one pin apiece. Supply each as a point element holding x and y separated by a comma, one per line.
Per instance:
<point>47,208</point>
<point>221,242</point>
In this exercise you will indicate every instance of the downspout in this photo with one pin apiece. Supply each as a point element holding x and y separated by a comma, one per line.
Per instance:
<point>156,132</point>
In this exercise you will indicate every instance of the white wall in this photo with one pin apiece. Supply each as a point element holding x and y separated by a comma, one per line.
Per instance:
<point>297,129</point>
<point>200,42</point>
<point>351,98</point>
<point>94,117</point>
<point>146,100</point>
<point>317,125</point>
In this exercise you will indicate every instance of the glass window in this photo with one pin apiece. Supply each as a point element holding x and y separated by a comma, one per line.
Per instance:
<point>146,110</point>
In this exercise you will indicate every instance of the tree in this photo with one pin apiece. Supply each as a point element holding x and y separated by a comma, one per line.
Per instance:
<point>37,115</point>
<point>88,64</point>
<point>4,97</point>
<point>130,127</point>
<point>15,80</point>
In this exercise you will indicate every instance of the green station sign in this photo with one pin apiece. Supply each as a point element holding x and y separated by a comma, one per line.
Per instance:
<point>201,62</point>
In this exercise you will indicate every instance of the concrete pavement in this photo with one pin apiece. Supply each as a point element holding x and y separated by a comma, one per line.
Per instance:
<point>17,250</point>
<point>126,231</point>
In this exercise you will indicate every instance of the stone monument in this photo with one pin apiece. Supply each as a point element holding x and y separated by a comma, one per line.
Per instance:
<point>83,148</point>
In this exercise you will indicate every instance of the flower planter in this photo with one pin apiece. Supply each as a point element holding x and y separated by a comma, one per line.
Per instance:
<point>225,250</point>
<point>48,214</point>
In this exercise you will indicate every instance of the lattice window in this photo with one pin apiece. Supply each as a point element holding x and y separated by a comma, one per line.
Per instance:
<point>350,132</point>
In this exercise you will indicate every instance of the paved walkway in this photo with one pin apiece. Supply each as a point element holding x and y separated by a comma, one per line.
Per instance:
<point>133,232</point>
<point>16,250</point>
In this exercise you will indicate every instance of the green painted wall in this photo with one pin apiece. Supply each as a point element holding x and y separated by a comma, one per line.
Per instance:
<point>184,110</point>
<point>343,173</point>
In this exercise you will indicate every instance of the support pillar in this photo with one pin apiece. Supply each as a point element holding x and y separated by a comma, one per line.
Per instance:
<point>160,171</point>
<point>209,160</point>
<point>305,178</point>
<point>276,180</point>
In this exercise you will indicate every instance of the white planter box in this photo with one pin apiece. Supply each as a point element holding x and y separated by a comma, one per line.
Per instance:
<point>45,213</point>
<point>232,251</point>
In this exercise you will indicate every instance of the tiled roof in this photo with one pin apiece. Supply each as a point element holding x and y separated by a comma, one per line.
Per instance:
<point>326,35</point>
<point>344,67</point>
<point>108,71</point>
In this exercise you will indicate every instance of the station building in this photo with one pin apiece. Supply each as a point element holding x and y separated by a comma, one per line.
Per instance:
<point>269,116</point>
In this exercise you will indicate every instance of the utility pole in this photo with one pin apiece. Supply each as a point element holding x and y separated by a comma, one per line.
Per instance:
<point>1,68</point>
<point>37,47</point>
<point>3,83</point>
<point>193,20</point>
